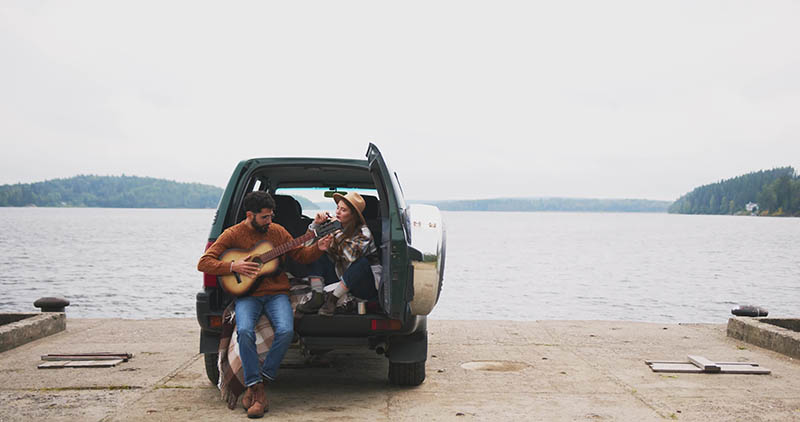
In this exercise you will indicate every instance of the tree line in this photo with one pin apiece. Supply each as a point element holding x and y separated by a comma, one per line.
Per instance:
<point>110,192</point>
<point>776,192</point>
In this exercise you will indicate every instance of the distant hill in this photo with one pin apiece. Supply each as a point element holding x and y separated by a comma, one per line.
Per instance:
<point>306,203</point>
<point>111,192</point>
<point>552,204</point>
<point>776,192</point>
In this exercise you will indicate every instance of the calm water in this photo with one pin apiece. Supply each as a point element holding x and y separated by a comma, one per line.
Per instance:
<point>134,263</point>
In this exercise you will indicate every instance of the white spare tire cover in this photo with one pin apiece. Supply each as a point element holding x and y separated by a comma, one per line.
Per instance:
<point>427,236</point>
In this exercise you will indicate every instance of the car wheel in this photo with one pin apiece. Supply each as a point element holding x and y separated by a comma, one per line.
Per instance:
<point>212,370</point>
<point>407,374</point>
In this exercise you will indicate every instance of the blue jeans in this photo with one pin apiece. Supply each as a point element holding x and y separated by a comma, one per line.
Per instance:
<point>358,276</point>
<point>279,312</point>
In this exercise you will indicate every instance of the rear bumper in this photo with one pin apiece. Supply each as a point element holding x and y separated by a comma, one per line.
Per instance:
<point>352,326</point>
<point>407,348</point>
<point>409,344</point>
<point>318,332</point>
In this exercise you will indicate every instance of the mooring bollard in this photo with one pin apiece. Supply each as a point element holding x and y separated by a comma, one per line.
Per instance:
<point>750,311</point>
<point>51,304</point>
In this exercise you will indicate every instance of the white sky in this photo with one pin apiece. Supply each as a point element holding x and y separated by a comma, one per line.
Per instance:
<point>611,99</point>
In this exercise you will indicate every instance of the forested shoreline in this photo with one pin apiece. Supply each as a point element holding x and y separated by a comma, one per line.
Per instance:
<point>773,192</point>
<point>110,192</point>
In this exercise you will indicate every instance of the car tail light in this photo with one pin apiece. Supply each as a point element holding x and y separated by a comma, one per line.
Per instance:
<point>209,280</point>
<point>215,321</point>
<point>386,324</point>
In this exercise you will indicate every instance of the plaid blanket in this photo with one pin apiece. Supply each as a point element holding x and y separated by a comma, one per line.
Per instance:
<point>231,375</point>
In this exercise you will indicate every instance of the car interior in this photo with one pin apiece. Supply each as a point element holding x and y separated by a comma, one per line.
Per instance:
<point>289,212</point>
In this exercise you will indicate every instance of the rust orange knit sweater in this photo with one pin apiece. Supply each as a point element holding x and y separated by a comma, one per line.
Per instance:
<point>244,236</point>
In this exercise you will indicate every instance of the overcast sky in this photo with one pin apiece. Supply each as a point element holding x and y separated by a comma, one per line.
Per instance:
<point>601,99</point>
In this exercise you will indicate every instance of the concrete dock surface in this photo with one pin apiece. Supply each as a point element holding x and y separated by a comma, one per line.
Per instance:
<point>476,370</point>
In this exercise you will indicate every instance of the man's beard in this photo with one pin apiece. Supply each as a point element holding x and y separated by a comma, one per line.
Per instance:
<point>260,228</point>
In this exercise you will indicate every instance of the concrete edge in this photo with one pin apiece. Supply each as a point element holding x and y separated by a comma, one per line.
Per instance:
<point>31,328</point>
<point>763,334</point>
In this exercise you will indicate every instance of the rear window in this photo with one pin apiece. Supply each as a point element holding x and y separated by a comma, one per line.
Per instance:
<point>313,200</point>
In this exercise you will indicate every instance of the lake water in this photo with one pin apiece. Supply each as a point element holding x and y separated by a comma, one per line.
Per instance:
<point>140,263</point>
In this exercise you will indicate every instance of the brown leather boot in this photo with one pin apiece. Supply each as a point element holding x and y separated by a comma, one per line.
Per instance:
<point>247,398</point>
<point>329,307</point>
<point>312,305</point>
<point>260,403</point>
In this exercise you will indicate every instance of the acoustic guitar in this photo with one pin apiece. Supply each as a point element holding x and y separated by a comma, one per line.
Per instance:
<point>266,256</point>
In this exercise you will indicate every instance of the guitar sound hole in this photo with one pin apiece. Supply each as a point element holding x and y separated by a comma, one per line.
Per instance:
<point>257,260</point>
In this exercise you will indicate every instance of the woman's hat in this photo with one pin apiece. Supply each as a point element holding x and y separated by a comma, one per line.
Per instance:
<point>355,201</point>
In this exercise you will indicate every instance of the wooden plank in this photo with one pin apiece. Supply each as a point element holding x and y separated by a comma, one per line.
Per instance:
<point>703,363</point>
<point>736,363</point>
<point>744,369</point>
<point>682,368</point>
<point>79,364</point>
<point>92,363</point>
<point>92,353</point>
<point>650,362</point>
<point>52,365</point>
<point>699,364</point>
<point>82,357</point>
<point>86,356</point>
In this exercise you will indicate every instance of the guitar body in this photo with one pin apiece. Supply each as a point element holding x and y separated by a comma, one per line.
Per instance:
<point>240,284</point>
<point>267,256</point>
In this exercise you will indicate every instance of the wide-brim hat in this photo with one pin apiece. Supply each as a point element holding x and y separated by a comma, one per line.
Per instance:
<point>355,201</point>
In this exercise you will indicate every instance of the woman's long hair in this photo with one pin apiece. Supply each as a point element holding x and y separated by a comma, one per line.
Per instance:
<point>351,228</point>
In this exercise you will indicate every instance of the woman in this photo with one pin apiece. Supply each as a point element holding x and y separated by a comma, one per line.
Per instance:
<point>354,264</point>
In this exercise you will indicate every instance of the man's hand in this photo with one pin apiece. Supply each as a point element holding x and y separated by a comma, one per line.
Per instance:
<point>244,267</point>
<point>324,243</point>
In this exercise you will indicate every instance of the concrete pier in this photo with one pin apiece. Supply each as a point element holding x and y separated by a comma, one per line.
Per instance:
<point>476,370</point>
<point>778,334</point>
<point>20,328</point>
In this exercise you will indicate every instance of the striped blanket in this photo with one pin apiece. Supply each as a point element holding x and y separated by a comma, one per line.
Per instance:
<point>231,375</point>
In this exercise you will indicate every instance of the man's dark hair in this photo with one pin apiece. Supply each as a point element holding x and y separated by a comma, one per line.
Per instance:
<point>258,200</point>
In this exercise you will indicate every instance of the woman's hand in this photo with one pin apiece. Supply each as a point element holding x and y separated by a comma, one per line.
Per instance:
<point>325,243</point>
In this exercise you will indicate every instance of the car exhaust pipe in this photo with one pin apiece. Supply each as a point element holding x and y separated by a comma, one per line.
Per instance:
<point>380,348</point>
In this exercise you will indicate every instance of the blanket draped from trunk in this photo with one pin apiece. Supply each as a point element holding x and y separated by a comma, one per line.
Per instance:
<point>231,375</point>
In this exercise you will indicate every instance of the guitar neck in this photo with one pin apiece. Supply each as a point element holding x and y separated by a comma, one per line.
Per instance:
<point>286,247</point>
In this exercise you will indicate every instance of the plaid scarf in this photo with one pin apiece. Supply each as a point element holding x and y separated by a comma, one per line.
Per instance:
<point>346,250</point>
<point>231,375</point>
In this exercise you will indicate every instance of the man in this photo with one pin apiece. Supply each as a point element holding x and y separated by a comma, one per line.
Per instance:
<point>269,297</point>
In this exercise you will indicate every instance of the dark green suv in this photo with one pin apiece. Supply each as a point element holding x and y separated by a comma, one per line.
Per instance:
<point>411,240</point>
